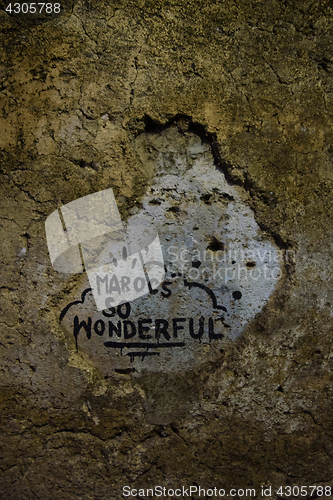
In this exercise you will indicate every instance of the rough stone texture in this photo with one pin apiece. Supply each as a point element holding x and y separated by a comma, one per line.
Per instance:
<point>254,82</point>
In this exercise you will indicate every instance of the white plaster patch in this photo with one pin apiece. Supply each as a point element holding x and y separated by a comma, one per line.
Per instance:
<point>220,270</point>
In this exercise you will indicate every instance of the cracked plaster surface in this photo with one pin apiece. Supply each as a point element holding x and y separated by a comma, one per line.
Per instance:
<point>75,93</point>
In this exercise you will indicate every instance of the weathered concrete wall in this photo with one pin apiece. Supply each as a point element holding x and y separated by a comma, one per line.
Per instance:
<point>214,122</point>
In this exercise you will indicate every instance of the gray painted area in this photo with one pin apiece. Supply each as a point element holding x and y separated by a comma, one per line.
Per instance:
<point>220,267</point>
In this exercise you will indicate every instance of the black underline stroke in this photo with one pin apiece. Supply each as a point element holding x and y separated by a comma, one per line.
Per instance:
<point>146,345</point>
<point>142,354</point>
